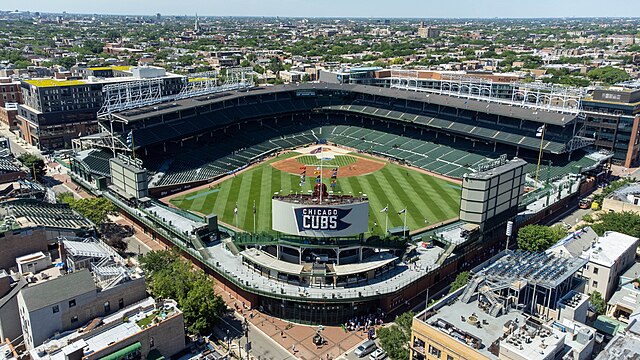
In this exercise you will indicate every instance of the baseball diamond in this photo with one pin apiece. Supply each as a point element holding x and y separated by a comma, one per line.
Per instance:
<point>428,199</point>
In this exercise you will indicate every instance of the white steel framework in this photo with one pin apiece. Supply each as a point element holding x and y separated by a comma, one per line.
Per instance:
<point>130,95</point>
<point>211,82</point>
<point>560,99</point>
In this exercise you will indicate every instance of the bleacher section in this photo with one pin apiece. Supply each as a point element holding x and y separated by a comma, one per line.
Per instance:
<point>438,158</point>
<point>37,213</point>
<point>232,151</point>
<point>95,160</point>
<point>559,169</point>
<point>462,125</point>
<point>236,148</point>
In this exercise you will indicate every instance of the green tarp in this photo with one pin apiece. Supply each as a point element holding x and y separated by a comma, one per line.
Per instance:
<point>122,353</point>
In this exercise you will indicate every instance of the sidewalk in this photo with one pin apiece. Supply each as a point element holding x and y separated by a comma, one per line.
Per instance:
<point>287,335</point>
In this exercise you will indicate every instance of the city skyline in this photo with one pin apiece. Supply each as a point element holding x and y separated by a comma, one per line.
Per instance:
<point>361,9</point>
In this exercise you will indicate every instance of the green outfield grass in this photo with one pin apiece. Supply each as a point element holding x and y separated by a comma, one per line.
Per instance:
<point>424,196</point>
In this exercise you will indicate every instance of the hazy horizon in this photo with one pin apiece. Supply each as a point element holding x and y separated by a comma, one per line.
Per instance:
<point>462,9</point>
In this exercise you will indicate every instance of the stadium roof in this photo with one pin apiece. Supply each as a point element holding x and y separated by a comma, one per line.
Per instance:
<point>536,115</point>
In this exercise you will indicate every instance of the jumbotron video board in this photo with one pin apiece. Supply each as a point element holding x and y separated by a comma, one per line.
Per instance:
<point>319,220</point>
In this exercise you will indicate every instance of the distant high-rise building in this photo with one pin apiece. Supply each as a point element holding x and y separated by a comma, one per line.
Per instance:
<point>158,16</point>
<point>428,32</point>
<point>196,27</point>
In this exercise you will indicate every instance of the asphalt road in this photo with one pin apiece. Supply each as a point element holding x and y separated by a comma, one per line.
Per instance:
<point>575,217</point>
<point>262,346</point>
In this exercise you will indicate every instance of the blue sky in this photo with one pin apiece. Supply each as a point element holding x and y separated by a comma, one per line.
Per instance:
<point>346,8</point>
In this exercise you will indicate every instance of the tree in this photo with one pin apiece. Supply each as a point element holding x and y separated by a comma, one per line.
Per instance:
<point>597,302</point>
<point>114,234</point>
<point>608,75</point>
<point>155,261</point>
<point>171,277</point>
<point>259,69</point>
<point>461,280</point>
<point>539,237</point>
<point>94,209</point>
<point>201,305</point>
<point>35,165</point>
<point>275,65</point>
<point>625,222</point>
<point>394,338</point>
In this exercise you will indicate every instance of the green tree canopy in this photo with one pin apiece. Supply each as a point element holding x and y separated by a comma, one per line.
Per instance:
<point>539,237</point>
<point>625,222</point>
<point>171,277</point>
<point>597,302</point>
<point>94,209</point>
<point>35,165</point>
<point>608,75</point>
<point>461,280</point>
<point>394,339</point>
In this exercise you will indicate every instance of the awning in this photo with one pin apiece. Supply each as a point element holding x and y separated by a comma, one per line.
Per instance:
<point>122,353</point>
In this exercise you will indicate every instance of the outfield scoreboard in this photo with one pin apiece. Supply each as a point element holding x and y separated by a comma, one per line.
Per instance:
<point>319,220</point>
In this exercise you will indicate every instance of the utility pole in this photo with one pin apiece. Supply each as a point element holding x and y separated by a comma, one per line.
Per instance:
<point>246,334</point>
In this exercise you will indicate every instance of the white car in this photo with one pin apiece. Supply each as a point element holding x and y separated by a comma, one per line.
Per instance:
<point>379,354</point>
<point>365,348</point>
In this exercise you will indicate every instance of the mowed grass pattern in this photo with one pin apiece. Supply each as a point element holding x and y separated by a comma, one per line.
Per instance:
<point>338,160</point>
<point>424,196</point>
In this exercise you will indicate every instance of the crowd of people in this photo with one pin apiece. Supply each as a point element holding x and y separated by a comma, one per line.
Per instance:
<point>363,323</point>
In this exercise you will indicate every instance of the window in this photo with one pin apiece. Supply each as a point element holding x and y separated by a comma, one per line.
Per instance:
<point>595,283</point>
<point>151,342</point>
<point>434,351</point>
<point>72,303</point>
<point>121,303</point>
<point>449,357</point>
<point>55,308</point>
<point>107,307</point>
<point>74,319</point>
<point>595,270</point>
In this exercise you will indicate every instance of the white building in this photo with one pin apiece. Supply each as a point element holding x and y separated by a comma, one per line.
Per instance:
<point>608,257</point>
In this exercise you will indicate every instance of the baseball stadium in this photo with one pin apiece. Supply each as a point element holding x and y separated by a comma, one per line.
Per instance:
<point>317,202</point>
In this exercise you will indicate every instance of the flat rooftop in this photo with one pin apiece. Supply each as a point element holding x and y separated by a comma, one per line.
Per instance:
<point>621,347</point>
<point>609,248</point>
<point>477,329</point>
<point>113,330</point>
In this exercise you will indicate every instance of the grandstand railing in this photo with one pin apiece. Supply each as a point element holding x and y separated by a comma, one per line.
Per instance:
<point>247,239</point>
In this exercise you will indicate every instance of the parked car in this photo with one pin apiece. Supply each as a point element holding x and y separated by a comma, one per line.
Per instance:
<point>365,348</point>
<point>379,354</point>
